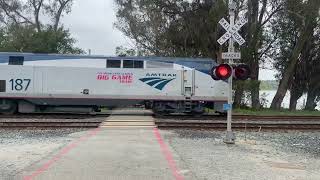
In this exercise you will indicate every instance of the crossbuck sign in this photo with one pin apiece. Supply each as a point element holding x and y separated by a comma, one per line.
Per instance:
<point>232,31</point>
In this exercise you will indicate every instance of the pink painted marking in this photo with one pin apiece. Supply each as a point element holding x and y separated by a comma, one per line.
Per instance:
<point>166,152</point>
<point>62,153</point>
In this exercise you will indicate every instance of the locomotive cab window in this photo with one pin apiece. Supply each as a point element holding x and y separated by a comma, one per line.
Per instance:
<point>133,64</point>
<point>113,64</point>
<point>16,60</point>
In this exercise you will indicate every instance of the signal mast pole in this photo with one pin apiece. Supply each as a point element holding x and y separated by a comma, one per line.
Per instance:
<point>230,137</point>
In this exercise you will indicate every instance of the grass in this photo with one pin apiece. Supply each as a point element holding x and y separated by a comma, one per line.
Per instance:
<point>269,112</point>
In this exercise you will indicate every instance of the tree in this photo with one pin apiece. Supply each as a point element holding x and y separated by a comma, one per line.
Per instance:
<point>24,30</point>
<point>307,16</point>
<point>312,71</point>
<point>29,12</point>
<point>313,86</point>
<point>173,28</point>
<point>122,51</point>
<point>258,43</point>
<point>286,30</point>
<point>56,9</point>
<point>22,38</point>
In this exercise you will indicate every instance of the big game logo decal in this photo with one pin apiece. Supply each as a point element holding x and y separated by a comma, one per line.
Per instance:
<point>158,80</point>
<point>123,78</point>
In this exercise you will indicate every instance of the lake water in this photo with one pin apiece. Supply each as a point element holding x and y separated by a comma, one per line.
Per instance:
<point>286,101</point>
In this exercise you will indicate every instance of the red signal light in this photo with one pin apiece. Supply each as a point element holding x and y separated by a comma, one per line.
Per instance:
<point>221,72</point>
<point>242,72</point>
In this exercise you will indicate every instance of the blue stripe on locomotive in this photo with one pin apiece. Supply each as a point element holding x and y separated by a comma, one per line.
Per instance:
<point>201,64</point>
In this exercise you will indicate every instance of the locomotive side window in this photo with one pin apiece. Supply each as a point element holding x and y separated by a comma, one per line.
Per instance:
<point>113,64</point>
<point>16,60</point>
<point>128,64</point>
<point>138,64</point>
<point>2,85</point>
<point>133,64</point>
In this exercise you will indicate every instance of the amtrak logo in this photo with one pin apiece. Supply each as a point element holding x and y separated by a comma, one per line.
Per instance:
<point>157,81</point>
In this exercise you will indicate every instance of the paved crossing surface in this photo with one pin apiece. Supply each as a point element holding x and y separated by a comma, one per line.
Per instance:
<point>128,121</point>
<point>124,147</point>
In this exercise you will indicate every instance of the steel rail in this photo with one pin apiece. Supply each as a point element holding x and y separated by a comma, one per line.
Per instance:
<point>259,125</point>
<point>49,124</point>
<point>241,118</point>
<point>51,121</point>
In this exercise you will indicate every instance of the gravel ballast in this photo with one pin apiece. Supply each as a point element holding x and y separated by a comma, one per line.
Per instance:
<point>199,155</point>
<point>256,155</point>
<point>22,148</point>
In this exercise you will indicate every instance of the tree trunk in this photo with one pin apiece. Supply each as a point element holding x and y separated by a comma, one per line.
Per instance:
<point>255,86</point>
<point>278,98</point>
<point>296,90</point>
<point>294,96</point>
<point>254,37</point>
<point>255,97</point>
<point>311,104</point>
<point>37,8</point>
<point>62,7</point>
<point>239,90</point>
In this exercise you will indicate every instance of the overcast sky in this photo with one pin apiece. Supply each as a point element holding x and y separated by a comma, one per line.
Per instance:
<point>91,23</point>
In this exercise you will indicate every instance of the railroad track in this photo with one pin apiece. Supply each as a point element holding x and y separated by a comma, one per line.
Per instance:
<point>51,121</point>
<point>172,121</point>
<point>49,124</point>
<point>52,116</point>
<point>294,125</point>
<point>241,122</point>
<point>281,117</point>
<point>240,118</point>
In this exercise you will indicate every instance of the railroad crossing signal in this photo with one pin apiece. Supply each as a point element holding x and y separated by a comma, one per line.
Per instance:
<point>241,72</point>
<point>232,31</point>
<point>225,71</point>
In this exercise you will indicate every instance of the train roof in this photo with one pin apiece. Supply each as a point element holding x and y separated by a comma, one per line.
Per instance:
<point>4,57</point>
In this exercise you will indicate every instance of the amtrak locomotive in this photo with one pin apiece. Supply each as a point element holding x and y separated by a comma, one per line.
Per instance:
<point>31,83</point>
